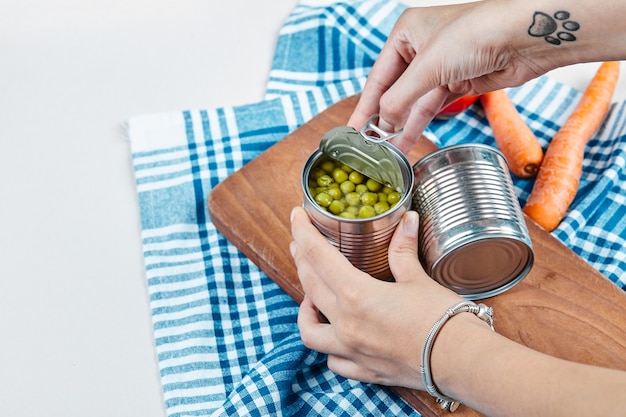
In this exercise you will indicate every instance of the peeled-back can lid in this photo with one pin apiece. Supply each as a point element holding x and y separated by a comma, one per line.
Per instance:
<point>369,156</point>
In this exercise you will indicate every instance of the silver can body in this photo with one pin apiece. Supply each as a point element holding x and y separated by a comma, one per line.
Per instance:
<point>473,237</point>
<point>365,242</point>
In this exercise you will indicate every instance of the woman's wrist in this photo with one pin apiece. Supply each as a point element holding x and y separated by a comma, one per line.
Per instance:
<point>548,35</point>
<point>481,311</point>
<point>459,341</point>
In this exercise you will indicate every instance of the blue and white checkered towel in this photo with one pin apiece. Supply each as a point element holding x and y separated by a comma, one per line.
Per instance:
<point>225,334</point>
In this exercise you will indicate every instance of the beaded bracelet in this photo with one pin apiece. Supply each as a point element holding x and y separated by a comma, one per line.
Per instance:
<point>482,312</point>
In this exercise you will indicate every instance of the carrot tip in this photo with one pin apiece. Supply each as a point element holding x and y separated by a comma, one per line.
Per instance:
<point>531,169</point>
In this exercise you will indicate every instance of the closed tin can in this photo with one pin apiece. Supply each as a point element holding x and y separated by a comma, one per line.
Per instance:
<point>472,238</point>
<point>364,242</point>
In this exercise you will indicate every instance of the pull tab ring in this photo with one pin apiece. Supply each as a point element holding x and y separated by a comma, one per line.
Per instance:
<point>373,133</point>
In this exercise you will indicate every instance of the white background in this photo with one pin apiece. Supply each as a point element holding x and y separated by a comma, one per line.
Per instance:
<point>75,327</point>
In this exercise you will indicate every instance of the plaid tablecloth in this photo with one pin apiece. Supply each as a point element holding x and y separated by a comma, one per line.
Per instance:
<point>225,334</point>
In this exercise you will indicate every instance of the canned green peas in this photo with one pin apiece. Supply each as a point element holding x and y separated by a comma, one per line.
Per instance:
<point>347,193</point>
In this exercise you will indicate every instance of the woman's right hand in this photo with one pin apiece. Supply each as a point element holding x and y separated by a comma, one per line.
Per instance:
<point>434,55</point>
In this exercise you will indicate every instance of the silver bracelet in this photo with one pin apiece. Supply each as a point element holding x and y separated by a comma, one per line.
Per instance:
<point>482,312</point>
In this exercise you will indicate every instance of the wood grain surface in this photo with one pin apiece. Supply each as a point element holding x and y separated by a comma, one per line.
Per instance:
<point>563,307</point>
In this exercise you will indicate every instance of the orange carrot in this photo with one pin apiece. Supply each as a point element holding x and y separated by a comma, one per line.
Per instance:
<point>514,138</point>
<point>557,182</point>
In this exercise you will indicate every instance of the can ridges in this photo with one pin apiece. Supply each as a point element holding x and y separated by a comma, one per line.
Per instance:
<point>468,214</point>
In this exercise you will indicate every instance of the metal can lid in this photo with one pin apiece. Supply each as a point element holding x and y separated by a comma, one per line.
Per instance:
<point>362,152</point>
<point>484,268</point>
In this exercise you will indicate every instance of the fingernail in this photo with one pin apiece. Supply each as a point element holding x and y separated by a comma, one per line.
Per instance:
<point>410,223</point>
<point>293,214</point>
<point>387,127</point>
<point>292,248</point>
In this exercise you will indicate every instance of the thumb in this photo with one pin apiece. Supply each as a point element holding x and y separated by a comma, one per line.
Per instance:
<point>403,258</point>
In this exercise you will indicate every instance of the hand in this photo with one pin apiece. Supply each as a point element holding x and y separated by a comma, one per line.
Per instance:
<point>435,55</point>
<point>376,328</point>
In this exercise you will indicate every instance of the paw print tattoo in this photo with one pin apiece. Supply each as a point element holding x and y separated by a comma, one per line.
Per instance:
<point>555,28</point>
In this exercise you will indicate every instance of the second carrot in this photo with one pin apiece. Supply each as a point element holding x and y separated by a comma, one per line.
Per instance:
<point>513,137</point>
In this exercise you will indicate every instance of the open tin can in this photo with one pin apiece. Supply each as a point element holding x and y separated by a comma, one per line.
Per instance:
<point>364,242</point>
<point>472,237</point>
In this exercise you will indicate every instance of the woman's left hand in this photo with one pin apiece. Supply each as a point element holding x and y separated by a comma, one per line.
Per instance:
<point>375,328</point>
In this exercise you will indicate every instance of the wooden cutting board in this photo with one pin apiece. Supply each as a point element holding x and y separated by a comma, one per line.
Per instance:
<point>563,307</point>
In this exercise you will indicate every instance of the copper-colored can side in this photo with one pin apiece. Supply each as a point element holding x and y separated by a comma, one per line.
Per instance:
<point>364,242</point>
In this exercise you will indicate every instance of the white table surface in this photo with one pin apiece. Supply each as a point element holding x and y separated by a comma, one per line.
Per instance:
<point>75,327</point>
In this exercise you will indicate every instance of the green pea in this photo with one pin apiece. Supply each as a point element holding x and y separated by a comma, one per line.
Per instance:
<point>366,212</point>
<point>373,185</point>
<point>388,190</point>
<point>339,175</point>
<point>323,199</point>
<point>336,207</point>
<point>318,172</point>
<point>356,177</point>
<point>335,193</point>
<point>346,168</point>
<point>324,180</point>
<point>353,199</point>
<point>328,166</point>
<point>369,198</point>
<point>381,207</point>
<point>353,209</point>
<point>347,215</point>
<point>382,197</point>
<point>360,188</point>
<point>393,197</point>
<point>347,187</point>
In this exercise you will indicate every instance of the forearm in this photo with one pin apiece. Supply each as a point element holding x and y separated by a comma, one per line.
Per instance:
<point>376,329</point>
<point>497,376</point>
<point>436,54</point>
<point>557,33</point>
